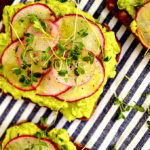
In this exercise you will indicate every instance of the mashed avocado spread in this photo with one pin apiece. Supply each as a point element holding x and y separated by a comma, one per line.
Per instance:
<point>71,111</point>
<point>131,7</point>
<point>59,136</point>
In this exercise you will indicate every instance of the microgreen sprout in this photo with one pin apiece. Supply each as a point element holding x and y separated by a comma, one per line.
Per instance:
<point>113,147</point>
<point>124,107</point>
<point>146,94</point>
<point>148,124</point>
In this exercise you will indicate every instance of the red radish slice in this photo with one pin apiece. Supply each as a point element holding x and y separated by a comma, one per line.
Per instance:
<point>88,89</point>
<point>40,44</point>
<point>21,22</point>
<point>70,77</point>
<point>30,142</point>
<point>51,87</point>
<point>9,62</point>
<point>41,41</point>
<point>93,42</point>
<point>143,24</point>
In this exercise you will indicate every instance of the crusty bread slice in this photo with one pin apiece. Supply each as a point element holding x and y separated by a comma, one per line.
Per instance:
<point>43,127</point>
<point>117,58</point>
<point>122,15</point>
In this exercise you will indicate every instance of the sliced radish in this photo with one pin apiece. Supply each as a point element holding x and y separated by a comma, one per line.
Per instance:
<point>88,89</point>
<point>21,21</point>
<point>41,41</point>
<point>143,24</point>
<point>9,62</point>
<point>50,86</point>
<point>70,77</point>
<point>40,44</point>
<point>93,42</point>
<point>30,142</point>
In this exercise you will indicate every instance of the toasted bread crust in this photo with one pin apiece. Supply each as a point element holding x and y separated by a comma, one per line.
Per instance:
<point>43,127</point>
<point>122,15</point>
<point>84,118</point>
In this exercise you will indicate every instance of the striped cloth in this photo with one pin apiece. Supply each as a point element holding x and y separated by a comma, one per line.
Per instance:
<point>102,130</point>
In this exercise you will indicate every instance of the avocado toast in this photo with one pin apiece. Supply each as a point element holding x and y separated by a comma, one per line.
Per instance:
<point>27,135</point>
<point>135,15</point>
<point>59,57</point>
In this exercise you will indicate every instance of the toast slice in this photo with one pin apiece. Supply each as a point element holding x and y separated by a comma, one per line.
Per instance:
<point>124,17</point>
<point>43,100</point>
<point>44,127</point>
<point>83,118</point>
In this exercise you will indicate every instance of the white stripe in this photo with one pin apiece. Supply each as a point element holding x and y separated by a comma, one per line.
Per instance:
<point>10,116</point>
<point>112,22</point>
<point>121,31</point>
<point>83,4</point>
<point>4,104</point>
<point>61,123</point>
<point>146,145</point>
<point>26,112</point>
<point>118,123</point>
<point>103,15</point>
<point>15,2</point>
<point>41,111</point>
<point>126,45</point>
<point>106,98</point>
<point>94,7</point>
<point>51,117</point>
<point>138,136</point>
<point>73,126</point>
<point>112,110</point>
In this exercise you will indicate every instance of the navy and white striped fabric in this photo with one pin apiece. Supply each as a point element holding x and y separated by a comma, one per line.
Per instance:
<point>102,130</point>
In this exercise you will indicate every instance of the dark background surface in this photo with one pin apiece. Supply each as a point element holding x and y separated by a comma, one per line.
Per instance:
<point>2,4</point>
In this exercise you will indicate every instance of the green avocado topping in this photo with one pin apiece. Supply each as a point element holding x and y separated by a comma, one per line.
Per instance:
<point>71,111</point>
<point>59,136</point>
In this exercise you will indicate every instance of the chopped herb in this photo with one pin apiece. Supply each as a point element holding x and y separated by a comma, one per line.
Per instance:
<point>89,58</point>
<point>17,71</point>
<point>66,80</point>
<point>1,66</point>
<point>48,49</point>
<point>48,65</point>
<point>106,59</point>
<point>27,81</point>
<point>62,1</point>
<point>83,33</point>
<point>98,20</point>
<point>0,147</point>
<point>75,53</point>
<point>125,107</point>
<point>139,4</point>
<point>21,20</point>
<point>38,135</point>
<point>62,73</point>
<point>56,63</point>
<point>69,62</point>
<point>16,49</point>
<point>146,94</point>
<point>43,121</point>
<point>148,123</point>
<point>41,143</point>
<point>29,38</point>
<point>43,25</point>
<point>81,45</point>
<point>79,70</point>
<point>22,79</point>
<point>113,147</point>
<point>33,17</point>
<point>37,75</point>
